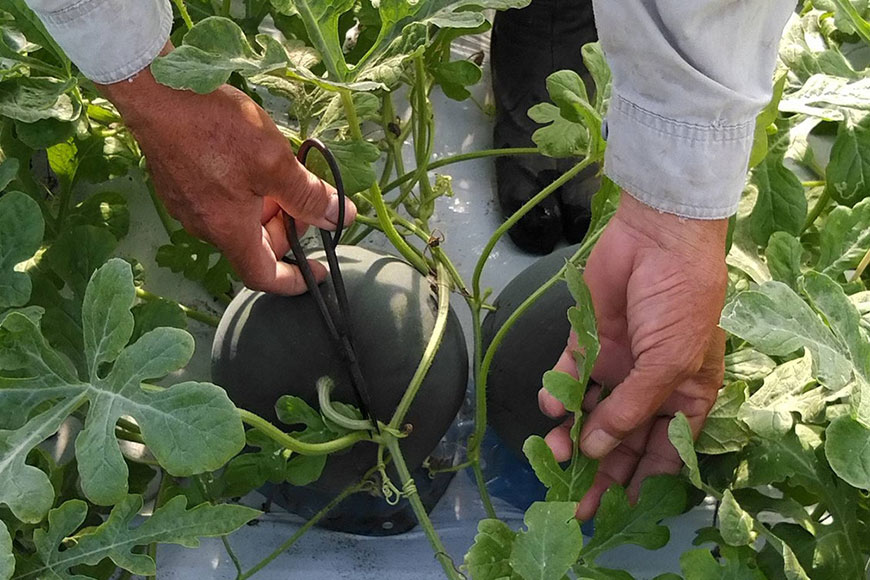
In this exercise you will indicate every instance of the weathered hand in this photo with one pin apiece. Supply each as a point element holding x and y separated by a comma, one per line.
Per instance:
<point>658,285</point>
<point>225,171</point>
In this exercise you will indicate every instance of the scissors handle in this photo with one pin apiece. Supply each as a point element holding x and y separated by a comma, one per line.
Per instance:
<point>335,316</point>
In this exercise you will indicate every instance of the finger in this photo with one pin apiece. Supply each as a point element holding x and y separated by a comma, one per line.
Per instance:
<point>660,456</point>
<point>307,197</point>
<point>616,468</point>
<point>592,397</point>
<point>550,405</point>
<point>632,403</point>
<point>253,258</point>
<point>277,235</point>
<point>559,441</point>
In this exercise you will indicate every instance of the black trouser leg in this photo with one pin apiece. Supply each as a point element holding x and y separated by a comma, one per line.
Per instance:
<point>527,46</point>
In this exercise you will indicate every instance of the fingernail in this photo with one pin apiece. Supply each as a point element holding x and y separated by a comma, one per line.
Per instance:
<point>598,444</point>
<point>331,214</point>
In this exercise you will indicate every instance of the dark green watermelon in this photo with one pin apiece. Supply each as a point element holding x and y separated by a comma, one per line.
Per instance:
<point>530,348</point>
<point>267,346</point>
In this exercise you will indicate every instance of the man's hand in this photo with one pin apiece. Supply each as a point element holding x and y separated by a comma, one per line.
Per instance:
<point>226,172</point>
<point>658,285</point>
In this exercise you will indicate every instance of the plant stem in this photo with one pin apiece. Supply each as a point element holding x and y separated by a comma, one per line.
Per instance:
<point>410,491</point>
<point>817,210</point>
<point>526,208</point>
<point>232,554</point>
<point>352,118</point>
<point>862,265</point>
<point>225,9</point>
<point>358,486</point>
<point>128,436</point>
<point>165,218</point>
<point>191,313</point>
<point>185,15</point>
<point>443,284</point>
<point>296,445</point>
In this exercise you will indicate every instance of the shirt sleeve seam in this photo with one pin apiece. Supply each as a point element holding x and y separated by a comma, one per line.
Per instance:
<point>683,209</point>
<point>681,129</point>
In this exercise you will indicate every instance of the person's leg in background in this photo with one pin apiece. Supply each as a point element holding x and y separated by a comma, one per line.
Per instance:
<point>527,46</point>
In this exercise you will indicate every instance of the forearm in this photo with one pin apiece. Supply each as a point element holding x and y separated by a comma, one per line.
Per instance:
<point>108,40</point>
<point>689,77</point>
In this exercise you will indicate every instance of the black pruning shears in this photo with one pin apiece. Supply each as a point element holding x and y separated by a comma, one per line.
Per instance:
<point>335,314</point>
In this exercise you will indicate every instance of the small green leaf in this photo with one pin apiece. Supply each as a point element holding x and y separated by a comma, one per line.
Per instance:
<point>489,556</point>
<point>44,133</point>
<point>844,239</point>
<point>106,209</point>
<point>747,364</point>
<point>619,523</point>
<point>454,77</point>
<point>562,138</point>
<point>764,120</point>
<point>7,560</point>
<point>212,50</point>
<point>723,432</point>
<point>784,253</point>
<point>551,543</point>
<point>21,229</point>
<point>155,314</point>
<point>596,64</point>
<point>31,99</point>
<point>781,204</point>
<point>847,448</point>
<point>735,524</point>
<point>768,412</point>
<point>680,435</point>
<point>8,172</point>
<point>847,176</point>
<point>843,318</point>
<point>701,565</point>
<point>565,388</point>
<point>589,572</point>
<point>776,321</point>
<point>563,485</point>
<point>116,539</point>
<point>355,159</point>
<point>77,253</point>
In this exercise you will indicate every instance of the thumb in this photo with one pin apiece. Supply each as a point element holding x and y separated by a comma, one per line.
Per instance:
<point>632,403</point>
<point>305,196</point>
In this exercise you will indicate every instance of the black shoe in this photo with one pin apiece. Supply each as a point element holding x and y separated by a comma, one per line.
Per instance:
<point>527,46</point>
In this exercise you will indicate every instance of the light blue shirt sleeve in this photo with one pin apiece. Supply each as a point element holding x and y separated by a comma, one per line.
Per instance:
<point>109,40</point>
<point>689,78</point>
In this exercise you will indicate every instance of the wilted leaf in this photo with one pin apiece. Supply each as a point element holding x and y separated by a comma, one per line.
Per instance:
<point>680,435</point>
<point>747,364</point>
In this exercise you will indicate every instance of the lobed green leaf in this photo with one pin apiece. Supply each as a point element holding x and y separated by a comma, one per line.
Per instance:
<point>551,543</point>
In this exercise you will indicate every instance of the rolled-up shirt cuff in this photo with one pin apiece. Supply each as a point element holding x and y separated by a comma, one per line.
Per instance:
<point>108,40</point>
<point>694,171</point>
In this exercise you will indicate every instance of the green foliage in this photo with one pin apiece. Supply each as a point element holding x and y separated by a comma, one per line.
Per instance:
<point>171,523</point>
<point>550,544</point>
<point>788,437</point>
<point>21,229</point>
